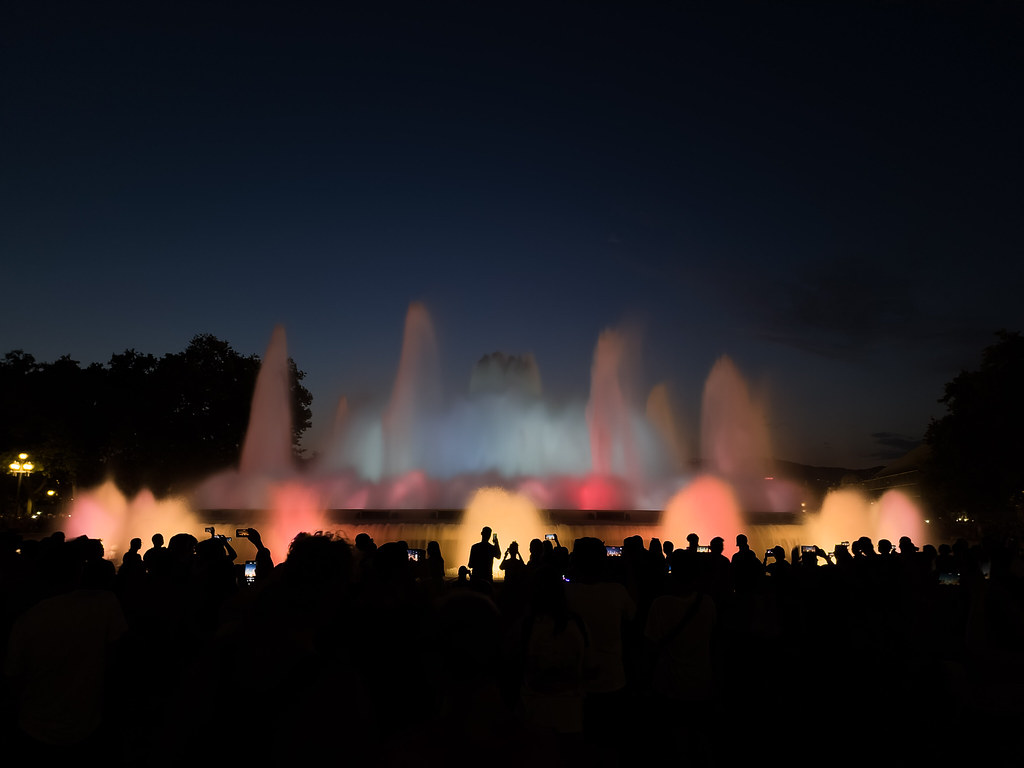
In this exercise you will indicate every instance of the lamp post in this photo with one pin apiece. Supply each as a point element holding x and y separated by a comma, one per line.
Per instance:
<point>20,467</point>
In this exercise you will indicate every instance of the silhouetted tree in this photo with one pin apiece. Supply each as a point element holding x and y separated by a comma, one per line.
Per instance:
<point>977,457</point>
<point>142,420</point>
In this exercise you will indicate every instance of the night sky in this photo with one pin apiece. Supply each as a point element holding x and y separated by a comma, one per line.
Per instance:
<point>830,194</point>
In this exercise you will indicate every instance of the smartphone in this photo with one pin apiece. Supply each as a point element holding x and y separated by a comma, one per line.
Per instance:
<point>242,533</point>
<point>805,549</point>
<point>702,548</point>
<point>250,571</point>
<point>949,579</point>
<point>416,555</point>
<point>550,536</point>
<point>613,551</point>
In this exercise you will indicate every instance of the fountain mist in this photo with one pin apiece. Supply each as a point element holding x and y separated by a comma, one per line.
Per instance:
<point>423,452</point>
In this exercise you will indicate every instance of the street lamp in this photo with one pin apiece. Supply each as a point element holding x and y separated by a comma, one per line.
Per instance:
<point>20,467</point>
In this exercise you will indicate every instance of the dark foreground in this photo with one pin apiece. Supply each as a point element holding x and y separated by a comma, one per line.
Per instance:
<point>355,655</point>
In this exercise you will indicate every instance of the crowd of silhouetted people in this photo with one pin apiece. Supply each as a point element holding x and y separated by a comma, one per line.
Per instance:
<point>598,654</point>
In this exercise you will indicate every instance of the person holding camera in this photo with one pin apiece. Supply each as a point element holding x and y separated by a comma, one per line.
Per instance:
<point>513,565</point>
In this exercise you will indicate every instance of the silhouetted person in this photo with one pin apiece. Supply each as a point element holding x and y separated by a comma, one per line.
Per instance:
<point>843,556</point>
<point>155,558</point>
<point>692,541</point>
<point>536,553</point>
<point>131,577</point>
<point>132,556</point>
<point>718,572</point>
<point>554,643</point>
<point>864,548</point>
<point>678,637</point>
<point>606,608</point>
<point>908,550</point>
<point>58,659</point>
<point>481,559</point>
<point>435,563</point>
<point>512,564</point>
<point>747,568</point>
<point>264,560</point>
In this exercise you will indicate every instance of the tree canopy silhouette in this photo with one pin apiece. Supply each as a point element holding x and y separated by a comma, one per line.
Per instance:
<point>140,420</point>
<point>977,457</point>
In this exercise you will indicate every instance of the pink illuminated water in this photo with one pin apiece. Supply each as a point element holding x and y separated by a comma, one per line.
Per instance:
<point>267,449</point>
<point>708,507</point>
<point>106,513</point>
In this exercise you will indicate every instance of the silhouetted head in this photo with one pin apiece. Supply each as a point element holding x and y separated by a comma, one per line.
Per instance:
<point>485,534</point>
<point>182,545</point>
<point>692,540</point>
<point>906,545</point>
<point>884,546</point>
<point>158,540</point>
<point>741,541</point>
<point>717,545</point>
<point>135,544</point>
<point>536,550</point>
<point>668,546</point>
<point>779,553</point>
<point>433,549</point>
<point>588,558</point>
<point>210,550</point>
<point>318,559</point>
<point>685,570</point>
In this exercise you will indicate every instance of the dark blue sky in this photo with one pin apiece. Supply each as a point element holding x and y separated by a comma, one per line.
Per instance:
<point>829,193</point>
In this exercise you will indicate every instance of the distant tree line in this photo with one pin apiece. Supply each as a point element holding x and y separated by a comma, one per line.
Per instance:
<point>975,470</point>
<point>141,420</point>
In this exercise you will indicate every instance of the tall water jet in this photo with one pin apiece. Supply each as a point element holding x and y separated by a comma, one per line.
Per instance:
<point>734,433</point>
<point>663,417</point>
<point>416,395</point>
<point>266,455</point>
<point>267,449</point>
<point>612,446</point>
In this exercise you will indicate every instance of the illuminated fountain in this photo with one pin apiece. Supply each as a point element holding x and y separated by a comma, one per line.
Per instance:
<point>572,462</point>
